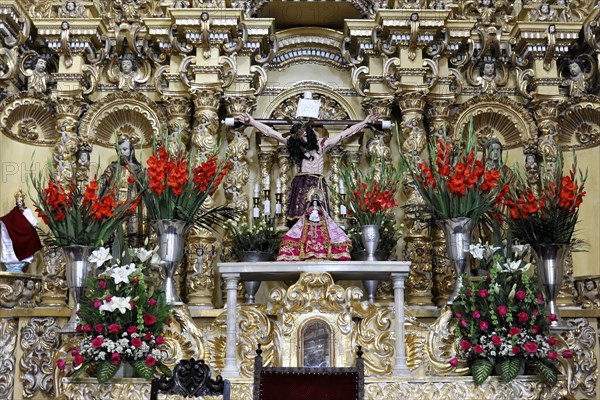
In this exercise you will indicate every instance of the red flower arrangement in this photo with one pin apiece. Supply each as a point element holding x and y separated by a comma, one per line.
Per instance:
<point>175,190</point>
<point>78,217</point>
<point>457,183</point>
<point>121,319</point>
<point>372,195</point>
<point>550,215</point>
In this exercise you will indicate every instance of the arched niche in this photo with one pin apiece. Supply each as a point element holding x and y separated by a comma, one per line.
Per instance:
<point>579,124</point>
<point>316,344</point>
<point>28,118</point>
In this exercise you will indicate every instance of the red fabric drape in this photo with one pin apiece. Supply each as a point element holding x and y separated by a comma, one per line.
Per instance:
<point>24,237</point>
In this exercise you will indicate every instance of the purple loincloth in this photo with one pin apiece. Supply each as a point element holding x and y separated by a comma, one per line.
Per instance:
<point>298,202</point>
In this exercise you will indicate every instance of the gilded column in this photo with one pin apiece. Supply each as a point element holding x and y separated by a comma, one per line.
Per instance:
<point>54,284</point>
<point>378,146</point>
<point>417,240</point>
<point>283,159</point>
<point>335,155</point>
<point>68,111</point>
<point>200,279</point>
<point>178,113</point>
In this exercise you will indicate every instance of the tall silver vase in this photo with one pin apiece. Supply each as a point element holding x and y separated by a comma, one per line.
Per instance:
<point>77,268</point>
<point>172,234</point>
<point>458,239</point>
<point>370,240</point>
<point>550,266</point>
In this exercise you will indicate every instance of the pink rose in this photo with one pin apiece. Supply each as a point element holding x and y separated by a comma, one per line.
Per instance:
<point>87,328</point>
<point>61,364</point>
<point>535,329</point>
<point>114,328</point>
<point>97,303</point>
<point>135,342</point>
<point>74,352</point>
<point>453,362</point>
<point>132,329</point>
<point>531,347</point>
<point>468,292</point>
<point>496,340</point>
<point>540,299</point>
<point>150,361</point>
<point>97,342</point>
<point>99,328</point>
<point>520,295</point>
<point>463,323</point>
<point>502,311</point>
<point>78,360</point>
<point>102,284</point>
<point>478,349</point>
<point>148,336</point>
<point>108,298</point>
<point>551,318</point>
<point>476,314</point>
<point>483,325</point>
<point>552,355</point>
<point>567,353</point>
<point>516,350</point>
<point>551,341</point>
<point>160,340</point>
<point>523,317</point>
<point>135,280</point>
<point>149,319</point>
<point>465,345</point>
<point>115,359</point>
<point>483,293</point>
<point>152,302</point>
<point>514,331</point>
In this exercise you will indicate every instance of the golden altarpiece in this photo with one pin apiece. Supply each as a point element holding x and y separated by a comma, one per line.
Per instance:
<point>75,74</point>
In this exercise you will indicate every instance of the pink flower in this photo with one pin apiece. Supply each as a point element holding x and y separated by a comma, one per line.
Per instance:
<point>135,280</point>
<point>476,314</point>
<point>540,299</point>
<point>465,345</point>
<point>458,315</point>
<point>483,293</point>
<point>483,325</point>
<point>520,295</point>
<point>79,328</point>
<point>152,302</point>
<point>97,342</point>
<point>478,349</point>
<point>61,364</point>
<point>150,361</point>
<point>535,313</point>
<point>78,360</point>
<point>468,292</point>
<point>97,303</point>
<point>453,362</point>
<point>496,340</point>
<point>148,336</point>
<point>531,347</point>
<point>108,298</point>
<point>516,350</point>
<point>523,317</point>
<point>135,342</point>
<point>115,359</point>
<point>114,328</point>
<point>535,329</point>
<point>551,318</point>
<point>149,319</point>
<point>74,352</point>
<point>132,329</point>
<point>567,353</point>
<point>87,328</point>
<point>551,341</point>
<point>102,284</point>
<point>463,323</point>
<point>502,311</point>
<point>552,355</point>
<point>99,328</point>
<point>514,331</point>
<point>160,340</point>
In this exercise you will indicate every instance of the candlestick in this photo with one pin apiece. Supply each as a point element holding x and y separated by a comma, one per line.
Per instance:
<point>268,182</point>
<point>278,186</point>
<point>342,210</point>
<point>267,207</point>
<point>342,189</point>
<point>256,189</point>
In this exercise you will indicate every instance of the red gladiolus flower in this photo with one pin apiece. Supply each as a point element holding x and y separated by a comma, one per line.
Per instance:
<point>150,361</point>
<point>78,360</point>
<point>531,347</point>
<point>502,311</point>
<point>114,328</point>
<point>465,345</point>
<point>496,340</point>
<point>523,317</point>
<point>478,349</point>
<point>149,319</point>
<point>453,362</point>
<point>61,364</point>
<point>99,328</point>
<point>115,358</point>
<point>567,353</point>
<point>97,342</point>
<point>160,340</point>
<point>137,343</point>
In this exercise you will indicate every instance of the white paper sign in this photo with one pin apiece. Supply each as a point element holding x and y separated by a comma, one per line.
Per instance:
<point>308,108</point>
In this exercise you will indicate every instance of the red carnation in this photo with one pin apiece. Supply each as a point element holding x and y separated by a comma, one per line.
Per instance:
<point>97,303</point>
<point>483,325</point>
<point>516,350</point>
<point>99,328</point>
<point>567,353</point>
<point>552,355</point>
<point>465,345</point>
<point>523,316</point>
<point>476,314</point>
<point>132,329</point>
<point>483,293</point>
<point>496,340</point>
<point>478,349</point>
<point>102,284</point>
<point>87,328</point>
<point>551,341</point>
<point>78,360</point>
<point>148,336</point>
<point>514,331</point>
<point>152,302</point>
<point>160,340</point>
<point>520,295</point>
<point>502,311</point>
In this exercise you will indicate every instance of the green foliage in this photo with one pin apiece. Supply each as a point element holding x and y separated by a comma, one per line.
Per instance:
<point>142,369</point>
<point>106,370</point>
<point>481,370</point>
<point>509,368</point>
<point>261,236</point>
<point>546,371</point>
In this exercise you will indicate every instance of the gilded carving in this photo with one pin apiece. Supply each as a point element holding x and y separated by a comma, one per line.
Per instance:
<point>582,369</point>
<point>23,113</point>
<point>128,72</point>
<point>8,344</point>
<point>19,292</point>
<point>242,391</point>
<point>444,276</point>
<point>375,334</point>
<point>419,282</point>
<point>54,284</point>
<point>89,389</point>
<point>256,328</point>
<point>200,271</point>
<point>441,346</point>
<point>580,121</point>
<point>587,292</point>
<point>39,338</point>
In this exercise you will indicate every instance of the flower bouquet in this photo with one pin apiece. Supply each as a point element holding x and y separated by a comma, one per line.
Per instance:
<point>260,237</point>
<point>502,323</point>
<point>79,217</point>
<point>121,318</point>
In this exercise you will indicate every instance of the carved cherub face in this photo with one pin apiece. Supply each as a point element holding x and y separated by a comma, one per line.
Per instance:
<point>126,66</point>
<point>545,8</point>
<point>489,70</point>
<point>84,158</point>
<point>40,65</point>
<point>574,69</point>
<point>70,6</point>
<point>589,285</point>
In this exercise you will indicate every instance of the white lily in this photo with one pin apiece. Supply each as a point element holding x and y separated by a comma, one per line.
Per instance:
<point>142,254</point>
<point>100,256</point>
<point>477,250</point>
<point>511,266</point>
<point>490,251</point>
<point>520,249</point>
<point>155,259</point>
<point>122,304</point>
<point>121,274</point>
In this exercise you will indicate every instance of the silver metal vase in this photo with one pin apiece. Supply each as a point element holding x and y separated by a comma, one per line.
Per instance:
<point>550,267</point>
<point>172,234</point>
<point>458,239</point>
<point>77,269</point>
<point>251,257</point>
<point>370,240</point>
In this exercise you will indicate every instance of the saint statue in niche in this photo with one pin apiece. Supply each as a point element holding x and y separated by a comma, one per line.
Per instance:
<point>38,76</point>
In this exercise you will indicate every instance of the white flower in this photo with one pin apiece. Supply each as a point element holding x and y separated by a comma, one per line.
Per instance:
<point>116,303</point>
<point>477,250</point>
<point>142,254</point>
<point>100,256</point>
<point>155,259</point>
<point>520,249</point>
<point>121,274</point>
<point>489,251</point>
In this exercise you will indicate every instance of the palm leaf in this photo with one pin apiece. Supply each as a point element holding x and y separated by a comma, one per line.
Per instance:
<point>509,368</point>
<point>106,370</point>
<point>142,369</point>
<point>481,370</point>
<point>547,372</point>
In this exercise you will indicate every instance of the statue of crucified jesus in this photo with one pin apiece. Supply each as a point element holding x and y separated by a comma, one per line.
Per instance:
<point>307,152</point>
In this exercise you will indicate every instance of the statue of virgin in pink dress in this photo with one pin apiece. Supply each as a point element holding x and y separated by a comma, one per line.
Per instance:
<point>315,237</point>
